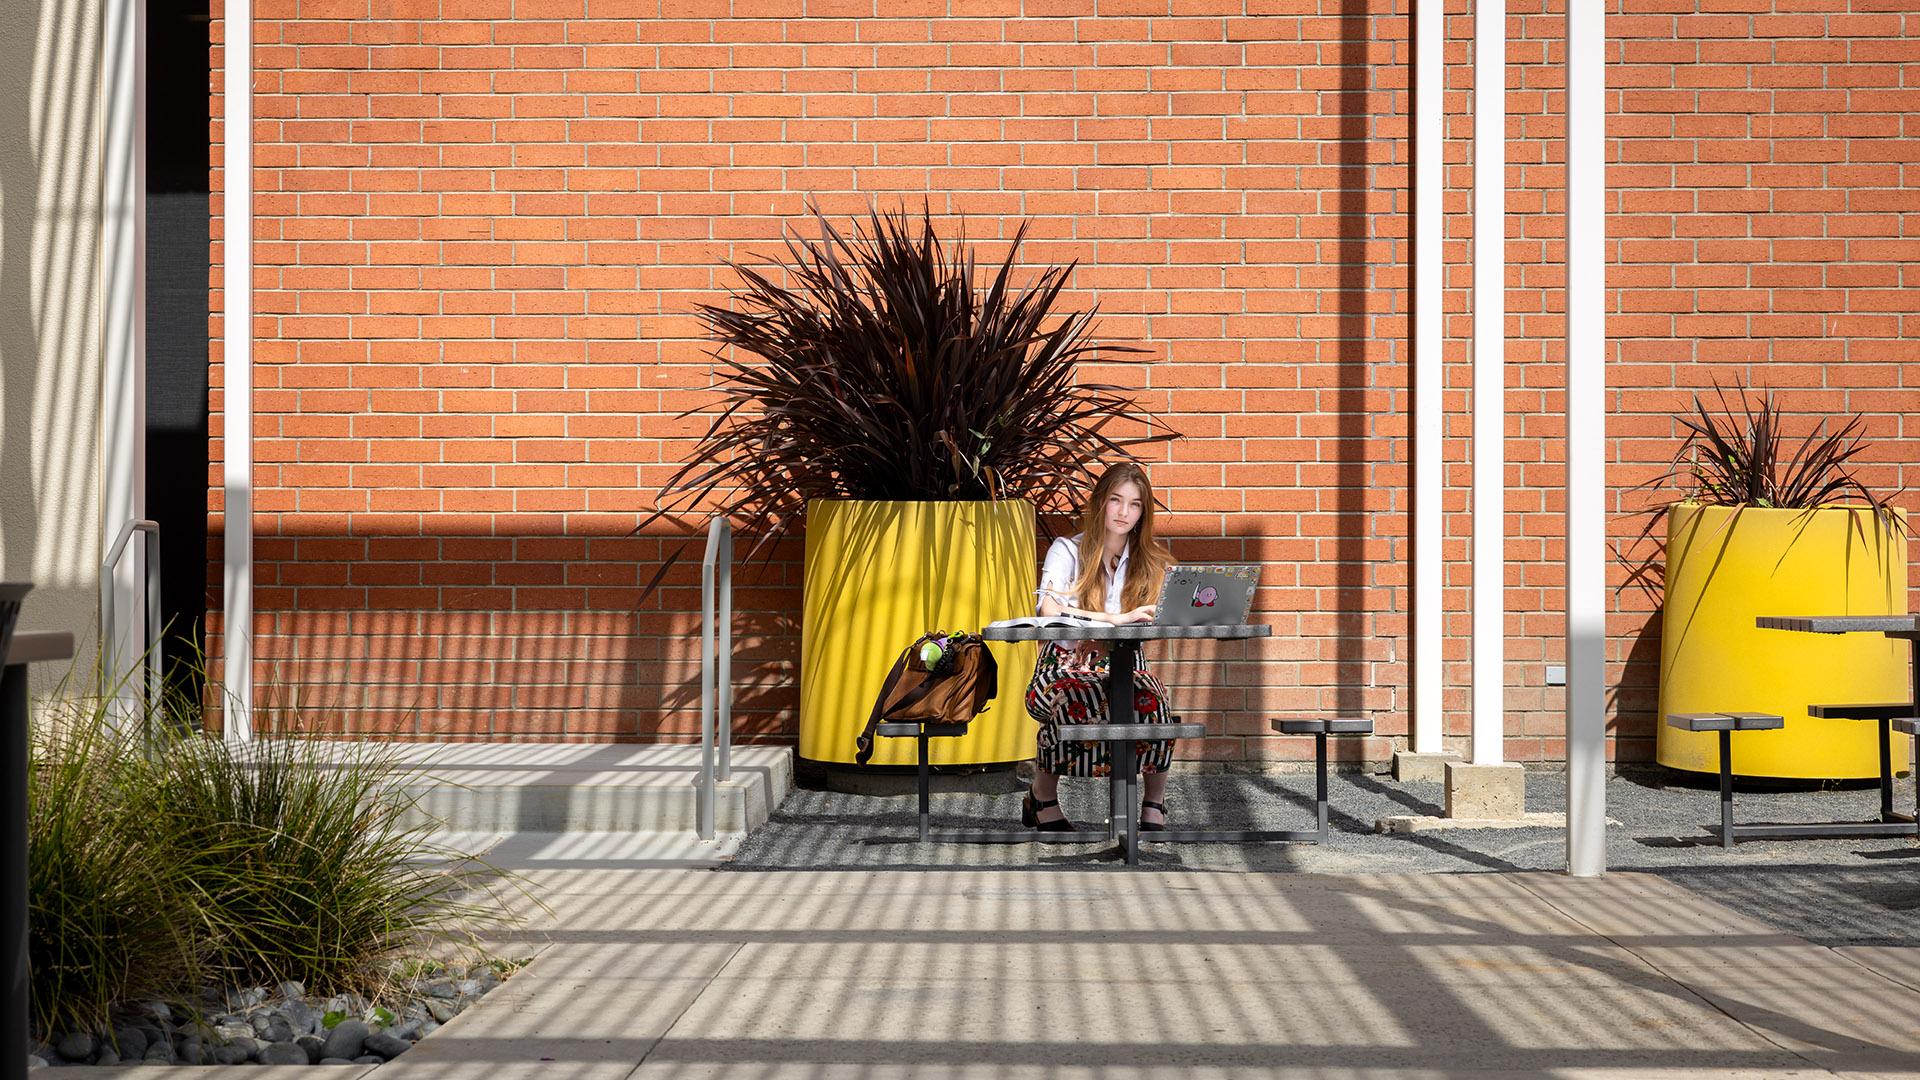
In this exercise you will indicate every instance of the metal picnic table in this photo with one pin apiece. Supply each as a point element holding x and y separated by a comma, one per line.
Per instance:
<point>1885,714</point>
<point>1120,668</point>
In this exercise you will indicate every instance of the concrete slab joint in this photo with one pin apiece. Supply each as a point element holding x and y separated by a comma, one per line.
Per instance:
<point>1411,767</point>
<point>1486,791</point>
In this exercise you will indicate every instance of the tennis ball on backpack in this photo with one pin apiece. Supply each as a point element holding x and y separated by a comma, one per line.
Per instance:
<point>930,653</point>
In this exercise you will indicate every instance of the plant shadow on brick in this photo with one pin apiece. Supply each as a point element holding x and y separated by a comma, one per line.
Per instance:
<point>162,860</point>
<point>890,369</point>
<point>1742,458</point>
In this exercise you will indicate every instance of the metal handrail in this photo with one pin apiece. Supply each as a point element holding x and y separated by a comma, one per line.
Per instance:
<point>109,631</point>
<point>716,668</point>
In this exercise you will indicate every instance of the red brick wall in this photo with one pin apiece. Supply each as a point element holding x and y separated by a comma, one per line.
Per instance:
<point>483,223</point>
<point>1766,220</point>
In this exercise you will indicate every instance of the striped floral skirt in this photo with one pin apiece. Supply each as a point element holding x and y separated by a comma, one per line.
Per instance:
<point>1063,692</point>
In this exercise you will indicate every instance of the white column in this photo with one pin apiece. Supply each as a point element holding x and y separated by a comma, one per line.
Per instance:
<point>1429,381</point>
<point>123,291</point>
<point>1586,439</point>
<point>236,413</point>
<point>1489,378</point>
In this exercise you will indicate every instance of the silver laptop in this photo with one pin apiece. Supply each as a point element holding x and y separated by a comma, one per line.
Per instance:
<point>1218,594</point>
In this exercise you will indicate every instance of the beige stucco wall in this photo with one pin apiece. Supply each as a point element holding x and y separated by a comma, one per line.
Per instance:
<point>50,325</point>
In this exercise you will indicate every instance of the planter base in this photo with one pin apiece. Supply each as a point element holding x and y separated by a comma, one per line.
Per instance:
<point>890,780</point>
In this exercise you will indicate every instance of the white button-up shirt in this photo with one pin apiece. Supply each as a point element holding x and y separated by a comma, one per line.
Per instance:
<point>1062,569</point>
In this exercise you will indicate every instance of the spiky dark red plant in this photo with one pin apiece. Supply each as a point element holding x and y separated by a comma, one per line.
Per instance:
<point>1740,457</point>
<point>889,367</point>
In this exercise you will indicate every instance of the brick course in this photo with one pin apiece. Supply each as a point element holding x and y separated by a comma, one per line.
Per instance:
<point>483,225</point>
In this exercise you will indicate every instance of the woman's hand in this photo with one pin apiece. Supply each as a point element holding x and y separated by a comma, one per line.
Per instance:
<point>1141,614</point>
<point>1086,653</point>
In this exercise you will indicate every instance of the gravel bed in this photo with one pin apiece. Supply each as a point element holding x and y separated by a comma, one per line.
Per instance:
<point>1853,891</point>
<point>282,1026</point>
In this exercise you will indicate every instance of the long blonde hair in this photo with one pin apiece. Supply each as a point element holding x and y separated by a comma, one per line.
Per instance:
<point>1147,557</point>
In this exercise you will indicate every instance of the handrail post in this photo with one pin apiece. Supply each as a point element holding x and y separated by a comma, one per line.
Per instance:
<point>703,810</point>
<point>155,643</point>
<point>723,685</point>
<point>109,608</point>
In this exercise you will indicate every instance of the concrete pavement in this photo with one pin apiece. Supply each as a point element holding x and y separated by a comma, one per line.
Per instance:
<point>651,973</point>
<point>649,969</point>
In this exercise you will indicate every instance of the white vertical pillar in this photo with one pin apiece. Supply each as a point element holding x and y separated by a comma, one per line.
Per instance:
<point>236,413</point>
<point>123,291</point>
<point>1586,438</point>
<point>1489,378</point>
<point>1429,380</point>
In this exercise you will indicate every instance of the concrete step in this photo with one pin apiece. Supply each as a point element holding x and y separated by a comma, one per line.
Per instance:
<point>526,851</point>
<point>507,788</point>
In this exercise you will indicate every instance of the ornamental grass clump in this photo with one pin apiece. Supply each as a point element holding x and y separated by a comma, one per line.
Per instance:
<point>112,912</point>
<point>163,861</point>
<point>887,365</point>
<point>306,860</point>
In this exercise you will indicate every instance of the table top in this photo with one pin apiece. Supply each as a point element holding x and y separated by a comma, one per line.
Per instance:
<point>1131,632</point>
<point>33,646</point>
<point>1841,624</point>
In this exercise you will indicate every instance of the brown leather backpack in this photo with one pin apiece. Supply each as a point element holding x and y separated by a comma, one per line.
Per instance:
<point>948,684</point>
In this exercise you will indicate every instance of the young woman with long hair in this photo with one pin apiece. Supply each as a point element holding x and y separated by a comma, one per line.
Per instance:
<point>1110,571</point>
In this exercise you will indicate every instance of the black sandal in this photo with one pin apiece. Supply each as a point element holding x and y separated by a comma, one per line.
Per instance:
<point>1030,808</point>
<point>1153,826</point>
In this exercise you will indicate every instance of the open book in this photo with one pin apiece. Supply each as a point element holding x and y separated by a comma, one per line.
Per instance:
<point>1046,622</point>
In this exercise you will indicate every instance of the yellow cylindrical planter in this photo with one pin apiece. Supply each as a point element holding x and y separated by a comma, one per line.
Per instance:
<point>1723,572</point>
<point>880,574</point>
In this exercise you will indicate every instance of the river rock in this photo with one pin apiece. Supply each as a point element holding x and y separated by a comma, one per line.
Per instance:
<point>159,1053</point>
<point>292,989</point>
<point>76,1046</point>
<point>441,988</point>
<point>192,1051</point>
<point>303,1018</point>
<point>311,1044</point>
<point>387,1045</point>
<point>251,996</point>
<point>197,1030</point>
<point>226,1033</point>
<point>345,1040</point>
<point>107,1056</point>
<point>336,1061</point>
<point>405,1029</point>
<point>35,1061</point>
<point>442,1010</point>
<point>284,1054</point>
<point>237,1052</point>
<point>132,1042</point>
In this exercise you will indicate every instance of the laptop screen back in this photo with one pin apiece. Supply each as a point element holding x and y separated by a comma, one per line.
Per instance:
<point>1211,595</point>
